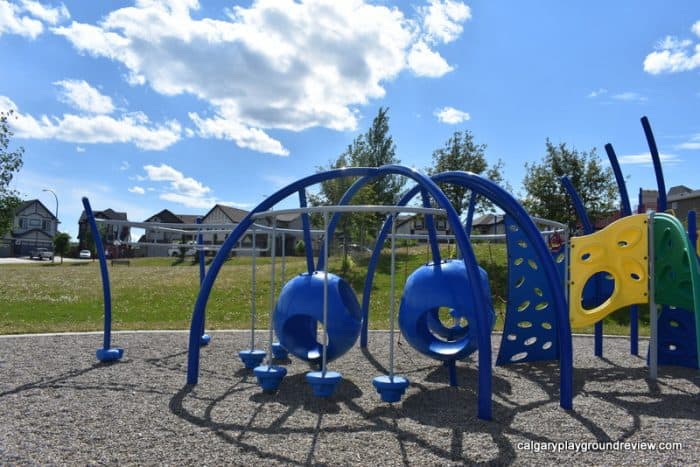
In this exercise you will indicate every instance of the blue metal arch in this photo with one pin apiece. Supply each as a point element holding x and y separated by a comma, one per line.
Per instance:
<point>480,300</point>
<point>510,206</point>
<point>488,189</point>
<point>656,160</point>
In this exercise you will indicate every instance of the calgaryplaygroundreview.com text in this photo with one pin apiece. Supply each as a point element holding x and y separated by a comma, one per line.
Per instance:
<point>591,446</point>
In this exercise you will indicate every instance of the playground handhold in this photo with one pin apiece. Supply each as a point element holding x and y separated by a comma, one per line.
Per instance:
<point>251,358</point>
<point>391,389</point>
<point>299,311</point>
<point>108,355</point>
<point>621,250</point>
<point>529,331</point>
<point>434,286</point>
<point>269,377</point>
<point>323,385</point>
<point>278,351</point>
<point>206,338</point>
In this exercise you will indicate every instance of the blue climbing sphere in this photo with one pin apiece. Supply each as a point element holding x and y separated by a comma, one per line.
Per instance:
<point>443,285</point>
<point>299,310</point>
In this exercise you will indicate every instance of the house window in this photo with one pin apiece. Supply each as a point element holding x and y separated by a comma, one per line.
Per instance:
<point>418,223</point>
<point>441,224</point>
<point>34,222</point>
<point>45,225</point>
<point>22,222</point>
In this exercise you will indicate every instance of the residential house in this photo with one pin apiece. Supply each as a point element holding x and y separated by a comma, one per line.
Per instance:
<point>221,214</point>
<point>33,226</point>
<point>114,236</point>
<point>682,200</point>
<point>414,224</point>
<point>489,224</point>
<point>159,241</point>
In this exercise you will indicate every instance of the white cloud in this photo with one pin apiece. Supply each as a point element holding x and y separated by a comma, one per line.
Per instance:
<point>181,189</point>
<point>79,149</point>
<point>442,19</point>
<point>13,22</point>
<point>27,18</point>
<point>132,128</point>
<point>597,93</point>
<point>82,96</point>
<point>137,189</point>
<point>51,15</point>
<point>645,159</point>
<point>124,166</point>
<point>245,137</point>
<point>673,55</point>
<point>629,97</point>
<point>692,143</point>
<point>280,64</point>
<point>424,61</point>
<point>451,115</point>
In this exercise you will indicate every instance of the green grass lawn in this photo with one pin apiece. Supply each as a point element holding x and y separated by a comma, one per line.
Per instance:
<point>159,293</point>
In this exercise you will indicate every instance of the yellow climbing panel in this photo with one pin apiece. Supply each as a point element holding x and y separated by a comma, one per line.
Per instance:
<point>621,250</point>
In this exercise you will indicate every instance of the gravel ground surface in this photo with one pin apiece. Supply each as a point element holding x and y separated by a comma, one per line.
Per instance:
<point>59,406</point>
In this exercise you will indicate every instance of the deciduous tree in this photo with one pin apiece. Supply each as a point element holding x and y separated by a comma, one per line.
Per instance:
<point>545,195</point>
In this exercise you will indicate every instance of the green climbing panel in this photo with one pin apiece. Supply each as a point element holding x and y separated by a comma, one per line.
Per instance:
<point>677,279</point>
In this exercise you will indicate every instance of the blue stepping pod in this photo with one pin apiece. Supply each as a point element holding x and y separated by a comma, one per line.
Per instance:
<point>323,385</point>
<point>251,358</point>
<point>270,377</point>
<point>390,389</point>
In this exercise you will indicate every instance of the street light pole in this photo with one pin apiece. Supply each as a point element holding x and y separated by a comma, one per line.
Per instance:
<point>54,195</point>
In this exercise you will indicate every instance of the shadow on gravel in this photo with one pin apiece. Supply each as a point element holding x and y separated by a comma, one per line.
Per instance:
<point>447,408</point>
<point>60,380</point>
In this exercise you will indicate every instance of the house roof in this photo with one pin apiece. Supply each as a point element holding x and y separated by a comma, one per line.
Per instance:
<point>684,195</point>
<point>109,214</point>
<point>25,204</point>
<point>488,219</point>
<point>234,214</point>
<point>679,190</point>
<point>166,215</point>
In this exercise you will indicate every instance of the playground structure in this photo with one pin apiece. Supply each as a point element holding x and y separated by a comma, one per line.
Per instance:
<point>549,289</point>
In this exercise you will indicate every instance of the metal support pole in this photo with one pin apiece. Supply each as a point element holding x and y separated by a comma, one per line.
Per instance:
<point>252,288</point>
<point>392,297</point>
<point>325,294</point>
<point>272,289</point>
<point>653,312</point>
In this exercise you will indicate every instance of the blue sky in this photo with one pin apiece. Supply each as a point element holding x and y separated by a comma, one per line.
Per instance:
<point>153,104</point>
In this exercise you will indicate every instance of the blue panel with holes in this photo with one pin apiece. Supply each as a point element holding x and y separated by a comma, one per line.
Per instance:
<point>529,331</point>
<point>677,339</point>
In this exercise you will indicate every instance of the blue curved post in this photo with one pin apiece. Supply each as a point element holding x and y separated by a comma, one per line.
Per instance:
<point>206,338</point>
<point>106,353</point>
<point>656,160</point>
<point>333,224</point>
<point>470,213</point>
<point>510,206</point>
<point>480,300</point>
<point>306,226</point>
<point>372,266</point>
<point>506,202</point>
<point>625,210</point>
<point>587,229</point>
<point>430,226</point>
<point>615,164</point>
